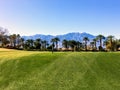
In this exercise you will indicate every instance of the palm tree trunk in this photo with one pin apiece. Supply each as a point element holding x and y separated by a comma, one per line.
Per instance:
<point>100,42</point>
<point>57,45</point>
<point>95,44</point>
<point>85,45</point>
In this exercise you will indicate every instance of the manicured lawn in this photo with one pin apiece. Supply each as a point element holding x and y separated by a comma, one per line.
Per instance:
<point>27,70</point>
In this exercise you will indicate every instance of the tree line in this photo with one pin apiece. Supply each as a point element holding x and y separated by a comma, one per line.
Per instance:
<point>100,43</point>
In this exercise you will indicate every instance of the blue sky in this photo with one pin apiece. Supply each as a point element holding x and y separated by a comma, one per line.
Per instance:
<point>29,17</point>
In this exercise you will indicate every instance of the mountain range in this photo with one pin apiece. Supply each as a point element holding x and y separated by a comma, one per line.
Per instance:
<point>69,36</point>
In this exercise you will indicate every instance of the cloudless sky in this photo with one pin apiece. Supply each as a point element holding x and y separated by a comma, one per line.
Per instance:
<point>29,17</point>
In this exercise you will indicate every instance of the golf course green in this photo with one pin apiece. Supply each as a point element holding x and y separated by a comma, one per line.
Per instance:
<point>34,70</point>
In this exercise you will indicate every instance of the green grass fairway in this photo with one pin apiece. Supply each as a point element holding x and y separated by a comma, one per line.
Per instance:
<point>27,70</point>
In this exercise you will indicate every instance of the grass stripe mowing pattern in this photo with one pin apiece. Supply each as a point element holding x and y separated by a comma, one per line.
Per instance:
<point>59,71</point>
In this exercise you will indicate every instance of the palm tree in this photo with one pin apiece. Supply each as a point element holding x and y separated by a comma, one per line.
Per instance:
<point>27,44</point>
<point>53,43</point>
<point>100,37</point>
<point>56,41</point>
<point>95,43</point>
<point>14,37</point>
<point>22,42</point>
<point>92,44</point>
<point>65,43</point>
<point>45,44</point>
<point>11,40</point>
<point>86,40</point>
<point>73,44</point>
<point>5,40</point>
<point>110,39</point>
<point>3,36</point>
<point>31,43</point>
<point>78,45</point>
<point>18,40</point>
<point>37,43</point>
<point>106,44</point>
<point>117,44</point>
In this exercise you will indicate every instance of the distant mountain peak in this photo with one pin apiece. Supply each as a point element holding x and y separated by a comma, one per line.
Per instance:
<point>69,36</point>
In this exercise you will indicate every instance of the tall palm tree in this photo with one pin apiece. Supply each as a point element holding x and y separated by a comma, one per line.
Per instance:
<point>86,39</point>
<point>100,38</point>
<point>73,44</point>
<point>65,43</point>
<point>78,45</point>
<point>56,41</point>
<point>14,37</point>
<point>95,43</point>
<point>110,39</point>
<point>31,43</point>
<point>5,40</point>
<point>27,44</point>
<point>18,40</point>
<point>117,44</point>
<point>11,40</point>
<point>22,42</point>
<point>38,43</point>
<point>92,44</point>
<point>105,43</point>
<point>3,36</point>
<point>45,44</point>
<point>53,43</point>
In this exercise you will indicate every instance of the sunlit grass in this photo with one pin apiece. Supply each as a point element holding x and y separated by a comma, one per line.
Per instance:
<point>27,70</point>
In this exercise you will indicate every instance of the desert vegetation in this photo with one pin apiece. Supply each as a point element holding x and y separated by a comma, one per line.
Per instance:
<point>100,43</point>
